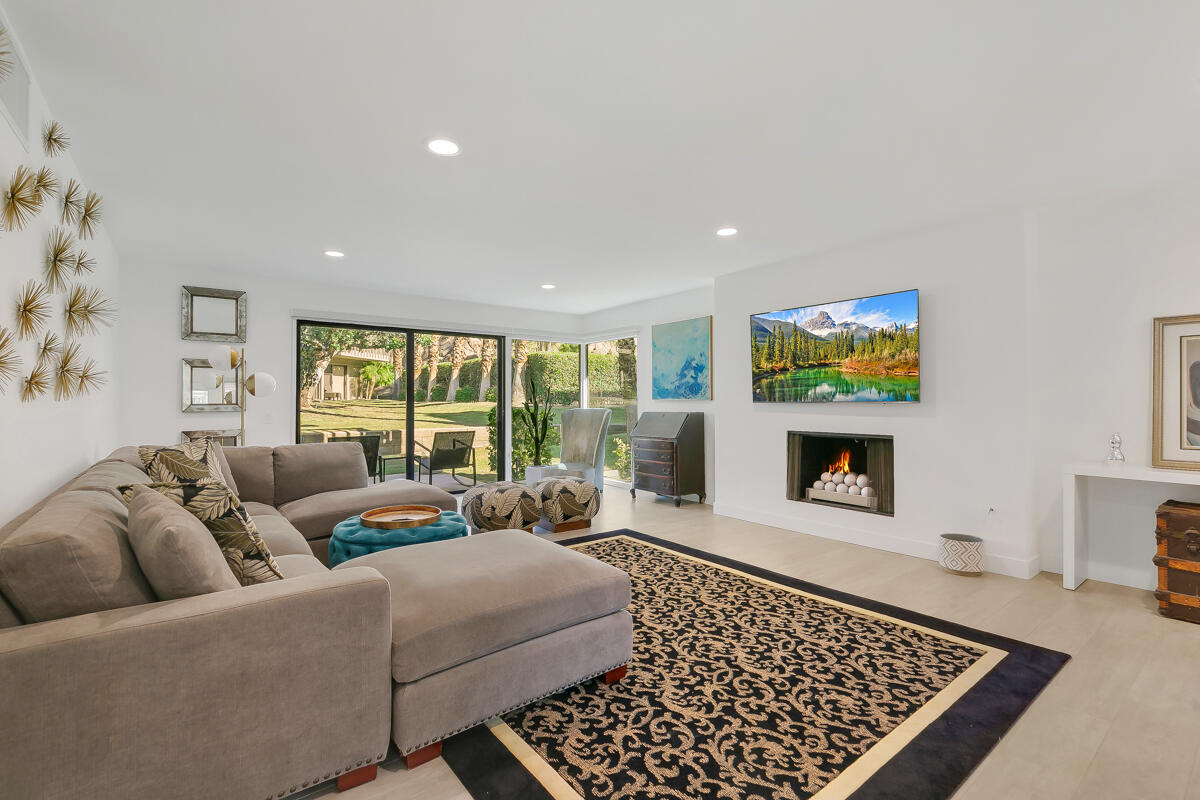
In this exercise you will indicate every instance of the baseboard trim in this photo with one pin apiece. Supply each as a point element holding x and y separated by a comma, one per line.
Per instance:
<point>1011,566</point>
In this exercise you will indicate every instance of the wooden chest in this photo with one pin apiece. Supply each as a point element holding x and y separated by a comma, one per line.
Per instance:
<point>1177,531</point>
<point>668,454</point>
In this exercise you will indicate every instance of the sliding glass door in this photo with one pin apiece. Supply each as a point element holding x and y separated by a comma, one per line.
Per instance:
<point>423,403</point>
<point>549,370</point>
<point>612,384</point>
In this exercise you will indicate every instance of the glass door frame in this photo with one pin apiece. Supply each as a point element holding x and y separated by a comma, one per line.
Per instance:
<point>410,385</point>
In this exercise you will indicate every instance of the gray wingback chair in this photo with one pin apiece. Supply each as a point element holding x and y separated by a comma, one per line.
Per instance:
<point>583,433</point>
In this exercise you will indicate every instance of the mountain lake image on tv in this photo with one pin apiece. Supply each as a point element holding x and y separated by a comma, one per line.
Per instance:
<point>864,350</point>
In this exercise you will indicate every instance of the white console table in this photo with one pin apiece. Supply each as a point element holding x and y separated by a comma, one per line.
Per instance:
<point>1074,533</point>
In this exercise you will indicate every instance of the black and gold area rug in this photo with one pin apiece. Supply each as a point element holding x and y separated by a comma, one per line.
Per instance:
<point>748,685</point>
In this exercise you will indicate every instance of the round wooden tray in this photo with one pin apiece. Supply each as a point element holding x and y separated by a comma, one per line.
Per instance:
<point>390,517</point>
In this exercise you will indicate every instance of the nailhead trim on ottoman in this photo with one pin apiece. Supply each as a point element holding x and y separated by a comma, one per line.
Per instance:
<point>501,506</point>
<point>568,503</point>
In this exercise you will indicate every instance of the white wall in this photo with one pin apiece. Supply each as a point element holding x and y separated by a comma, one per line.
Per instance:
<point>1104,270</point>
<point>959,452</point>
<point>46,441</point>
<point>151,409</point>
<point>636,319</point>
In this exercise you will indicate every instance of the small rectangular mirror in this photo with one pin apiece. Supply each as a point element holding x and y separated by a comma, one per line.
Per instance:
<point>213,315</point>
<point>226,438</point>
<point>206,389</point>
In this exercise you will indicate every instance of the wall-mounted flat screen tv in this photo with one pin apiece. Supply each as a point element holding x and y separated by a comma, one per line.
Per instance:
<point>863,350</point>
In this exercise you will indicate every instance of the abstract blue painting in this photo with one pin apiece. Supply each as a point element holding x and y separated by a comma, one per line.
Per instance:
<point>681,360</point>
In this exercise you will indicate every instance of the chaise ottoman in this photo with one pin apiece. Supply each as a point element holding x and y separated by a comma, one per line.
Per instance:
<point>489,623</point>
<point>568,504</point>
<point>502,506</point>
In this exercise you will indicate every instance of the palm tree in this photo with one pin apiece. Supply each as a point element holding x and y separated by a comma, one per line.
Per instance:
<point>435,349</point>
<point>375,373</point>
<point>458,354</point>
<point>520,357</point>
<point>487,360</point>
<point>395,344</point>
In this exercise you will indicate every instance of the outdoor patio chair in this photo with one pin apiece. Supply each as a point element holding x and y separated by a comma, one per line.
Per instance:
<point>370,444</point>
<point>452,450</point>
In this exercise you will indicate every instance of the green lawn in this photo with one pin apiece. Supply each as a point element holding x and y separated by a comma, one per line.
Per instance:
<point>388,414</point>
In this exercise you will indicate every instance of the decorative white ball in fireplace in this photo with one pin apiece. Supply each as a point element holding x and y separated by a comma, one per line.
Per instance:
<point>850,479</point>
<point>818,484</point>
<point>831,486</point>
<point>854,489</point>
<point>843,488</point>
<point>863,481</point>
<point>868,491</point>
<point>838,477</point>
<point>826,477</point>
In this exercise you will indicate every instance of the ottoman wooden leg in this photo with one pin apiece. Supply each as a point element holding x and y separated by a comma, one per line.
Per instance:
<point>357,777</point>
<point>578,524</point>
<point>614,675</point>
<point>427,753</point>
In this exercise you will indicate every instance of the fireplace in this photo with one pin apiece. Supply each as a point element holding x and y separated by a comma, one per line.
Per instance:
<point>846,470</point>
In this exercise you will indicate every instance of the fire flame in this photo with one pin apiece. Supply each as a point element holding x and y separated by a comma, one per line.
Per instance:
<point>842,464</point>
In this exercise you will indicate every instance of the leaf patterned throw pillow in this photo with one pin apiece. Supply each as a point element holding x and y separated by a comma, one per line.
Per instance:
<point>211,502</point>
<point>182,463</point>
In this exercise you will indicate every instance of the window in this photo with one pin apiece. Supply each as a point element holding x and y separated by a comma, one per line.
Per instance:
<point>357,381</point>
<point>543,367</point>
<point>612,384</point>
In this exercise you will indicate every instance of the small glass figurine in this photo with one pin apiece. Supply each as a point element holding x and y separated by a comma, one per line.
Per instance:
<point>1115,456</point>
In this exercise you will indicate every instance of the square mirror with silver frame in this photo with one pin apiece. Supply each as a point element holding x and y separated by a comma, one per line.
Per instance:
<point>207,389</point>
<point>226,438</point>
<point>213,315</point>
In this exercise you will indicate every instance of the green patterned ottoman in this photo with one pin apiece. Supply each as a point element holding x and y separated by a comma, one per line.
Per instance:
<point>502,506</point>
<point>568,504</point>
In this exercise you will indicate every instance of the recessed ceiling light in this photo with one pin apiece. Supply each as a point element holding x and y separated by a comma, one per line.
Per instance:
<point>726,231</point>
<point>335,254</point>
<point>443,147</point>
<point>547,285</point>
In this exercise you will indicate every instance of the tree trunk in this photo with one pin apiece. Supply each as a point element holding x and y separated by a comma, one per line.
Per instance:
<point>520,358</point>
<point>487,360</point>
<point>397,372</point>
<point>434,358</point>
<point>319,386</point>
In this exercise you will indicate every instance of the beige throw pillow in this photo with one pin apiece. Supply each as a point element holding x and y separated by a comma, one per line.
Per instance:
<point>175,550</point>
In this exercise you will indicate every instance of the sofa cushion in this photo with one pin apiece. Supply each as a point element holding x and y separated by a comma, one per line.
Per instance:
<point>295,566</point>
<point>253,469</point>
<point>302,470</point>
<point>280,536</point>
<point>257,510</point>
<point>458,600</point>
<point>211,502</point>
<point>72,557</point>
<point>315,515</point>
<point>176,552</point>
<point>106,476</point>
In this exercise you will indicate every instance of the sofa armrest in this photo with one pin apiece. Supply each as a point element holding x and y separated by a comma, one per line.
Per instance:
<point>243,693</point>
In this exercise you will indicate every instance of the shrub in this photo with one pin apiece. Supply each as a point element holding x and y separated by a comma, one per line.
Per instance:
<point>465,394</point>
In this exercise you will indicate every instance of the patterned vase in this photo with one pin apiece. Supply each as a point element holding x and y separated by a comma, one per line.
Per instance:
<point>961,554</point>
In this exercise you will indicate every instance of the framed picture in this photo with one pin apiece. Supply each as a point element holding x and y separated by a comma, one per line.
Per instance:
<point>213,315</point>
<point>1176,442</point>
<point>206,389</point>
<point>681,360</point>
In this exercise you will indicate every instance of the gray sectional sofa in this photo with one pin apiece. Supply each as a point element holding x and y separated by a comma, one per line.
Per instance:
<point>264,690</point>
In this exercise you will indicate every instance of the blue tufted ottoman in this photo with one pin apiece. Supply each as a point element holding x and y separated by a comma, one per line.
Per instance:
<point>351,539</point>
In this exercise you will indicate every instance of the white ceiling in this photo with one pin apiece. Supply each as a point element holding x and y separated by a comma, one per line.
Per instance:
<point>603,142</point>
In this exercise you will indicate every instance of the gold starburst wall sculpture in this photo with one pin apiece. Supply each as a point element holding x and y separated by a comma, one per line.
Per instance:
<point>36,384</point>
<point>67,371</point>
<point>48,349</point>
<point>72,203</point>
<point>54,139</point>
<point>83,262</point>
<point>33,309</point>
<point>45,184</point>
<point>22,200</point>
<point>86,310</point>
<point>89,215</point>
<point>91,378</point>
<point>60,259</point>
<point>7,64</point>
<point>10,362</point>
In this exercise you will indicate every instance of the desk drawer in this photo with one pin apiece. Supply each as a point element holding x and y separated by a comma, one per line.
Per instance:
<point>654,445</point>
<point>664,469</point>
<point>654,483</point>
